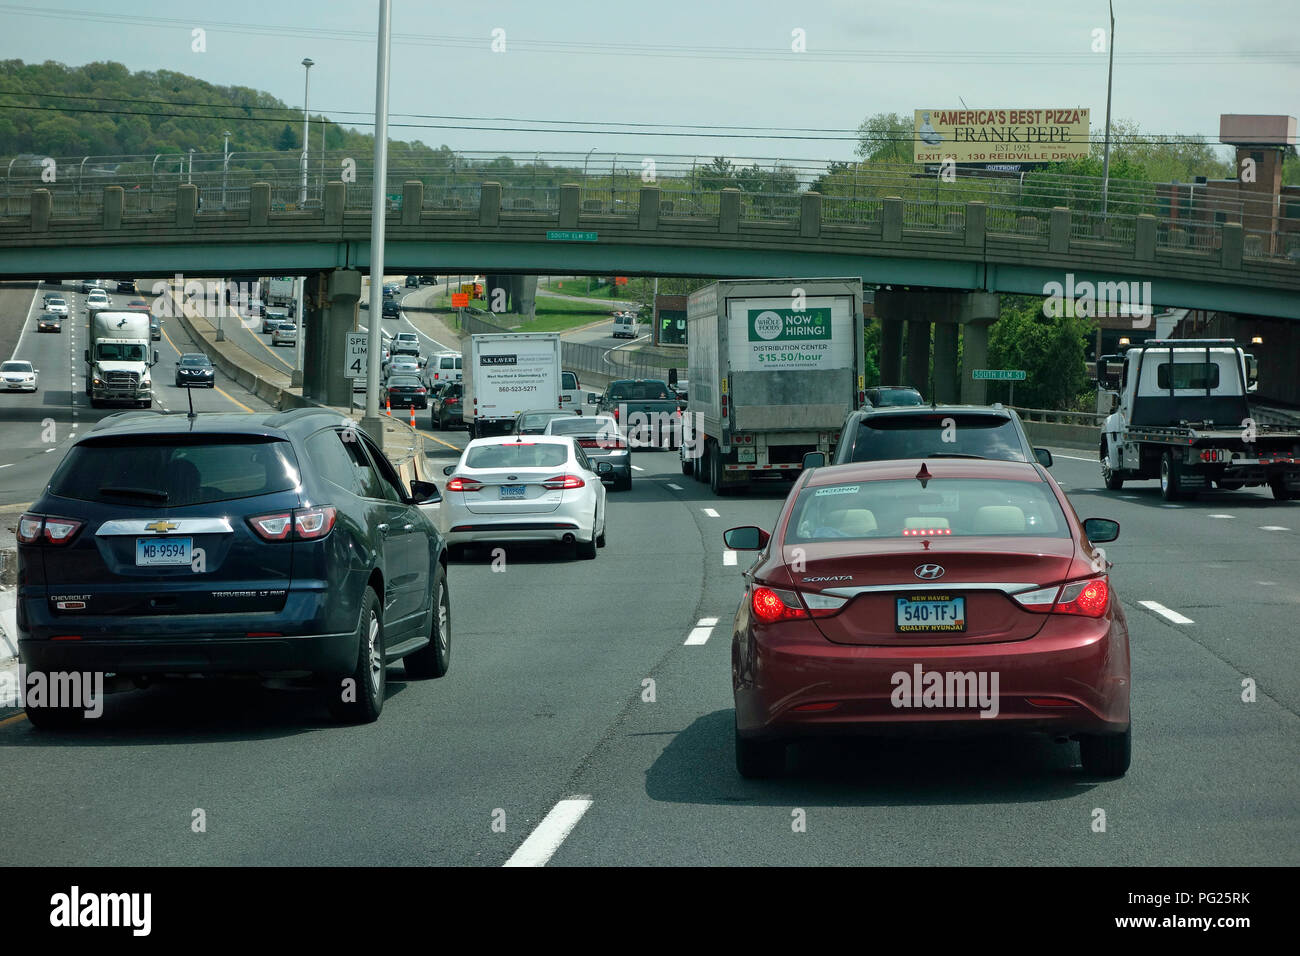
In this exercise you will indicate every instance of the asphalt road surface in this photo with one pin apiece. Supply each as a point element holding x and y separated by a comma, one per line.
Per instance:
<point>578,727</point>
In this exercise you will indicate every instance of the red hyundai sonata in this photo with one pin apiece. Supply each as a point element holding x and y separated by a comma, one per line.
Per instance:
<point>941,596</point>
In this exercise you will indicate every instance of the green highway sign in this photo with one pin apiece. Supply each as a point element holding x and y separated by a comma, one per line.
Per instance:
<point>998,374</point>
<point>561,236</point>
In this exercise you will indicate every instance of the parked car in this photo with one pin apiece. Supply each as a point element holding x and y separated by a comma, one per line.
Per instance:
<point>599,437</point>
<point>195,368</point>
<point>929,431</point>
<point>534,422</point>
<point>406,391</point>
<point>543,489</point>
<point>18,375</point>
<point>49,322</point>
<point>974,578</point>
<point>447,405</point>
<point>272,318</point>
<point>263,543</point>
<point>285,333</point>
<point>889,396</point>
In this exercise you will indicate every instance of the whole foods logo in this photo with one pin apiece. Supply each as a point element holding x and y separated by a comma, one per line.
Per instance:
<point>770,325</point>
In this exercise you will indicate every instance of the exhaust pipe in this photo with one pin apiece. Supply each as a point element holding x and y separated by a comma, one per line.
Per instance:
<point>569,538</point>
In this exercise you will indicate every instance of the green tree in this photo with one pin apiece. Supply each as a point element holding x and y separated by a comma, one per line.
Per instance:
<point>1051,351</point>
<point>886,138</point>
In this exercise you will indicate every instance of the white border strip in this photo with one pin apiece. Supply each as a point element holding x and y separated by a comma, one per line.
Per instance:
<point>542,843</point>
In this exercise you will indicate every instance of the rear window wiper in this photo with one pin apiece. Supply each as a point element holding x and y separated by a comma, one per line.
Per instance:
<point>151,493</point>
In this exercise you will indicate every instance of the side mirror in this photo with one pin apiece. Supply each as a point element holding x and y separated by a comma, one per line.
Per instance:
<point>424,492</point>
<point>155,357</point>
<point>1044,457</point>
<point>604,468</point>
<point>1100,530</point>
<point>746,538</point>
<point>672,376</point>
<point>85,355</point>
<point>449,470</point>
<point>593,399</point>
<point>814,459</point>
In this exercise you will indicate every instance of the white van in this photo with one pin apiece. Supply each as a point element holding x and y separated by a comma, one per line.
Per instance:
<point>625,326</point>
<point>445,367</point>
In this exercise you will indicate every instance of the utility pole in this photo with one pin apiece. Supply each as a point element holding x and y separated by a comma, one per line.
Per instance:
<point>308,63</point>
<point>371,423</point>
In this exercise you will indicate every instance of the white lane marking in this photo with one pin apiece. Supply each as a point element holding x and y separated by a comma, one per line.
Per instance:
<point>27,319</point>
<point>706,622</point>
<point>10,465</point>
<point>1171,506</point>
<point>1266,584</point>
<point>1166,613</point>
<point>550,833</point>
<point>1220,516</point>
<point>674,487</point>
<point>710,512</point>
<point>698,636</point>
<point>728,558</point>
<point>1057,454</point>
<point>1129,497</point>
<point>1272,527</point>
<point>637,468</point>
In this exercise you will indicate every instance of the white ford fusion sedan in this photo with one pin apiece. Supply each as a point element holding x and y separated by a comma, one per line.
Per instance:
<point>525,488</point>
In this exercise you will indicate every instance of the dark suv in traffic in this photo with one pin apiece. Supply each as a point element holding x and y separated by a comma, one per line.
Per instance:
<point>936,431</point>
<point>279,544</point>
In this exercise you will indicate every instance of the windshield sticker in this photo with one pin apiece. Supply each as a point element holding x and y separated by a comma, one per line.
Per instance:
<point>837,490</point>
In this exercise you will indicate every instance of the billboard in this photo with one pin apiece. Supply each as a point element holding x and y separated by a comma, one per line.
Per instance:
<point>999,136</point>
<point>766,334</point>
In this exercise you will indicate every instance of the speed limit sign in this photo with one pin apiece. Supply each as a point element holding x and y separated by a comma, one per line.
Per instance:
<point>355,362</point>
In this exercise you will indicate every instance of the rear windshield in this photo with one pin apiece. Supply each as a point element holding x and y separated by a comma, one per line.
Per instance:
<point>583,425</point>
<point>449,361</point>
<point>404,381</point>
<point>517,455</point>
<point>568,381</point>
<point>639,391</point>
<point>937,435</point>
<point>896,397</point>
<point>169,471</point>
<point>1187,375</point>
<point>956,507</point>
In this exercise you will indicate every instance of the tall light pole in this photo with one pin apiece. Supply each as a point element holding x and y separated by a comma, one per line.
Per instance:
<point>371,423</point>
<point>308,63</point>
<point>1110,69</point>
<point>189,176</point>
<point>225,167</point>
<point>584,186</point>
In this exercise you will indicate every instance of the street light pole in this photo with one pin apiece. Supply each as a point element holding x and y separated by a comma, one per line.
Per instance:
<point>1110,69</point>
<point>371,423</point>
<point>308,63</point>
<point>225,167</point>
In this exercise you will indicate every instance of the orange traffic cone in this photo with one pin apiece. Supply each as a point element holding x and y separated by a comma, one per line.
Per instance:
<point>388,402</point>
<point>413,415</point>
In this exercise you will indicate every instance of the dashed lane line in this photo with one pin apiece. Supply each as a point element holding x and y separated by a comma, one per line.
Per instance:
<point>548,835</point>
<point>1164,612</point>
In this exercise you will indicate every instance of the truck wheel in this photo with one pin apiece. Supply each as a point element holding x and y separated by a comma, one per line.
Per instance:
<point>716,473</point>
<point>1280,490</point>
<point>1169,474</point>
<point>1113,481</point>
<point>687,466</point>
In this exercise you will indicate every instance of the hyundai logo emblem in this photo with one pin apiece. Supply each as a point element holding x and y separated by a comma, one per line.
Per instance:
<point>928,572</point>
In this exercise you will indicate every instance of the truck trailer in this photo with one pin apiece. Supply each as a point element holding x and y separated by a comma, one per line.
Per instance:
<point>775,366</point>
<point>509,373</point>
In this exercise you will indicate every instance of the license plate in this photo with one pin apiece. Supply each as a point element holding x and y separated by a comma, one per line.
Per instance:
<point>930,612</point>
<point>512,491</point>
<point>151,551</point>
<point>746,456</point>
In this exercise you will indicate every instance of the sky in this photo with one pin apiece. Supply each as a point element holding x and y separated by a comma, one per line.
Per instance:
<point>1178,63</point>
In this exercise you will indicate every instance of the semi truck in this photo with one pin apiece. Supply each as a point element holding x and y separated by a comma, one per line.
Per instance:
<point>1179,411</point>
<point>775,367</point>
<point>118,360</point>
<point>509,373</point>
<point>280,292</point>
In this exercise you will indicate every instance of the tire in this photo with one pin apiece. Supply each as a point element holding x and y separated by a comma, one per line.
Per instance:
<point>600,540</point>
<point>1106,755</point>
<point>1280,490</point>
<point>687,467</point>
<point>434,659</point>
<point>435,423</point>
<point>368,677</point>
<point>715,473</point>
<point>759,759</point>
<point>55,718</point>
<point>623,484</point>
<point>586,550</point>
<point>1169,489</point>
<point>1113,481</point>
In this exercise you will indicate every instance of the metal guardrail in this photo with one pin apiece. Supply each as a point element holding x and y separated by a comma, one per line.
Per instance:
<point>1058,417</point>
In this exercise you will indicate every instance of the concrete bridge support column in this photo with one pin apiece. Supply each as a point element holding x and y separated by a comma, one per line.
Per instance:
<point>528,297</point>
<point>918,355</point>
<point>975,354</point>
<point>331,313</point>
<point>891,351</point>
<point>947,385</point>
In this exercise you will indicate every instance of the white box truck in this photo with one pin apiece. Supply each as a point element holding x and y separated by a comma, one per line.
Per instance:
<point>509,373</point>
<point>118,360</point>
<point>281,292</point>
<point>775,367</point>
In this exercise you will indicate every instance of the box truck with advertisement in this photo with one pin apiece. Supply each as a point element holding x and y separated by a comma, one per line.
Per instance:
<point>509,373</point>
<point>775,367</point>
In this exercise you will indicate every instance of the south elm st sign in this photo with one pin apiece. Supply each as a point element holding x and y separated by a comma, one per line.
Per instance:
<point>1011,375</point>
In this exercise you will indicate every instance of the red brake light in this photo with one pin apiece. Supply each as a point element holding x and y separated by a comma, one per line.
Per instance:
<point>563,481</point>
<point>1086,598</point>
<point>588,443</point>
<point>451,401</point>
<point>272,527</point>
<point>463,484</point>
<point>313,523</point>
<point>771,605</point>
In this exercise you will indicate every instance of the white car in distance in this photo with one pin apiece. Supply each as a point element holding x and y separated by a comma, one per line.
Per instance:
<point>17,375</point>
<point>525,488</point>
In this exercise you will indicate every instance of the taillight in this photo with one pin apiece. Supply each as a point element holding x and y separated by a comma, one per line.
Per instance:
<point>773,604</point>
<point>451,401</point>
<point>33,528</point>
<point>1088,598</point>
<point>313,523</point>
<point>1085,598</point>
<point>464,484</point>
<point>615,413</point>
<point>563,481</point>
<point>420,390</point>
<point>272,527</point>
<point>588,443</point>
